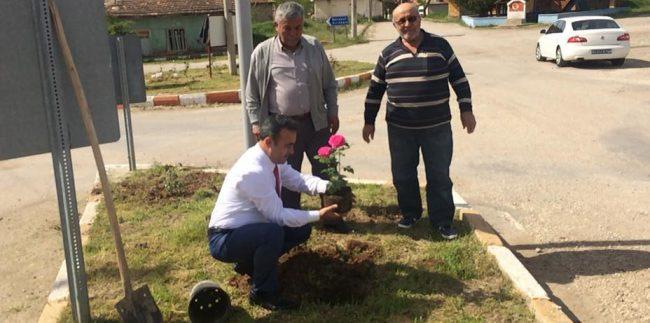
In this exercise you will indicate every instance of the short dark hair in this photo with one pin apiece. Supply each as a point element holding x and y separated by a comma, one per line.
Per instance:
<point>274,124</point>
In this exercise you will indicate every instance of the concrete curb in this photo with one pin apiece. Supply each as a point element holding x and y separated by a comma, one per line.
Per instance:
<point>57,300</point>
<point>544,309</point>
<point>231,96</point>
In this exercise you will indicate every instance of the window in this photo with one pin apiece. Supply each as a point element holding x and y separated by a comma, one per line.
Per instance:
<point>143,33</point>
<point>594,24</point>
<point>556,27</point>
<point>553,29</point>
<point>176,39</point>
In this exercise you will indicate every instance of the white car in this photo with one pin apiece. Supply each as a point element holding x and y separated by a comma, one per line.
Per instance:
<point>584,38</point>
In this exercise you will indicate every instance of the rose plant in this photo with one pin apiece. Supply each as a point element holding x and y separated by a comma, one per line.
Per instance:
<point>330,156</point>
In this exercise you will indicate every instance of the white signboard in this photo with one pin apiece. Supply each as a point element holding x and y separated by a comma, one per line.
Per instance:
<point>517,10</point>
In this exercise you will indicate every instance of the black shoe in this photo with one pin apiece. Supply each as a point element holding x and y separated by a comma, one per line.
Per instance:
<point>271,302</point>
<point>448,232</point>
<point>243,270</point>
<point>407,222</point>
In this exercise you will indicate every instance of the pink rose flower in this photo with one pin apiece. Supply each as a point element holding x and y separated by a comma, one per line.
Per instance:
<point>336,141</point>
<point>324,151</point>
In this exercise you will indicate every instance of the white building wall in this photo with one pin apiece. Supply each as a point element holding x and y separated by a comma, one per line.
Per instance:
<point>324,9</point>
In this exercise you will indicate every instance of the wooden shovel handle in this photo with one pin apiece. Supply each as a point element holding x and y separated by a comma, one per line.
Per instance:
<point>92,137</point>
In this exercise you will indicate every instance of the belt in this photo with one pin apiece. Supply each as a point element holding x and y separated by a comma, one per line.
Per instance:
<point>299,116</point>
<point>213,231</point>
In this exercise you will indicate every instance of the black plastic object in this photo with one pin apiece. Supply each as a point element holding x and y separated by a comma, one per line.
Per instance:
<point>208,302</point>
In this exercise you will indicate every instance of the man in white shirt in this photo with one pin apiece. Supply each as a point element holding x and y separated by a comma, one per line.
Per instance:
<point>249,225</point>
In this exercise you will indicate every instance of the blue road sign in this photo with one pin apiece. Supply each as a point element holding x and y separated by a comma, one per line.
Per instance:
<point>338,20</point>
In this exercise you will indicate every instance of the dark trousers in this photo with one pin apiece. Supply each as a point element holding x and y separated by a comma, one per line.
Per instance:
<point>437,149</point>
<point>307,143</point>
<point>256,248</point>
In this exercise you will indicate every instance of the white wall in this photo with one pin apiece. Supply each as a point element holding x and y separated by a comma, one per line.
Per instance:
<point>324,9</point>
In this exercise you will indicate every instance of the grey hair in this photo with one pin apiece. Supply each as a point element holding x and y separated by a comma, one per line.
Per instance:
<point>289,10</point>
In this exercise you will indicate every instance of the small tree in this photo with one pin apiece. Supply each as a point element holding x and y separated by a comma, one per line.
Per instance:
<point>117,26</point>
<point>480,7</point>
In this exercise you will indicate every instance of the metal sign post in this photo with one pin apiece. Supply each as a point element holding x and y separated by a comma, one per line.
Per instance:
<point>334,21</point>
<point>39,113</point>
<point>62,162</point>
<point>124,83</point>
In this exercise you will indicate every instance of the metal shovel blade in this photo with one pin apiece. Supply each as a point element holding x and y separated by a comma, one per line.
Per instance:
<point>143,309</point>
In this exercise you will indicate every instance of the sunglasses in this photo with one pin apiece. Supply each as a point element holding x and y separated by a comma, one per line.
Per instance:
<point>410,19</point>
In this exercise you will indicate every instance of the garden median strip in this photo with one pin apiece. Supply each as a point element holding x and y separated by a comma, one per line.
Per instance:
<point>406,275</point>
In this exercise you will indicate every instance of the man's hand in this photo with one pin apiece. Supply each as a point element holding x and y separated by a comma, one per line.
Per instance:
<point>468,120</point>
<point>327,214</point>
<point>334,124</point>
<point>368,133</point>
<point>255,129</point>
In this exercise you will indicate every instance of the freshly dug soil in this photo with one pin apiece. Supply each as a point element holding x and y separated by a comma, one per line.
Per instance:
<point>168,184</point>
<point>333,274</point>
<point>330,273</point>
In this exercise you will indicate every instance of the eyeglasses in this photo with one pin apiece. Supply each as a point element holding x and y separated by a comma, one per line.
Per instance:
<point>410,19</point>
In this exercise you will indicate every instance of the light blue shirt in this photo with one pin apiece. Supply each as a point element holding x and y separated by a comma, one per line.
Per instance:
<point>288,91</point>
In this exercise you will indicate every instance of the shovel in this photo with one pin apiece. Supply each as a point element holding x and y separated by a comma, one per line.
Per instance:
<point>138,306</point>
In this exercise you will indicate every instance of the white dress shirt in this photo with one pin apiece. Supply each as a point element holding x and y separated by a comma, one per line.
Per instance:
<point>248,193</point>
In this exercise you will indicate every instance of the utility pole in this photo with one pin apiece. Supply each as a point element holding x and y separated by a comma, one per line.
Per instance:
<point>230,40</point>
<point>245,48</point>
<point>353,19</point>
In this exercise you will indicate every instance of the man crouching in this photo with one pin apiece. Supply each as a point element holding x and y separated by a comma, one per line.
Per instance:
<point>249,225</point>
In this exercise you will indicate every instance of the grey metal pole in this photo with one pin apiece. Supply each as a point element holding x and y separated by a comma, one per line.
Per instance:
<point>230,40</point>
<point>124,82</point>
<point>245,48</point>
<point>353,18</point>
<point>62,163</point>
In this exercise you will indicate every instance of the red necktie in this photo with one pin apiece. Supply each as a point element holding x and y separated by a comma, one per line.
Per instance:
<point>276,172</point>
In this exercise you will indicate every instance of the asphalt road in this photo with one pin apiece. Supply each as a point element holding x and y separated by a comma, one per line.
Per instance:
<point>559,164</point>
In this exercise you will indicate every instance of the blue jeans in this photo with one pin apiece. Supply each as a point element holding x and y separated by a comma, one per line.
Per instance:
<point>258,246</point>
<point>437,148</point>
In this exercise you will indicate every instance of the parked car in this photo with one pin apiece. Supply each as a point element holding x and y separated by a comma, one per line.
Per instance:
<point>421,11</point>
<point>584,38</point>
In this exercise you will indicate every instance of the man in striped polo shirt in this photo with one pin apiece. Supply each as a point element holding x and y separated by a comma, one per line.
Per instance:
<point>415,70</point>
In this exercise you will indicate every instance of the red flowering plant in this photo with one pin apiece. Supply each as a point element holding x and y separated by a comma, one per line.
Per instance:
<point>331,156</point>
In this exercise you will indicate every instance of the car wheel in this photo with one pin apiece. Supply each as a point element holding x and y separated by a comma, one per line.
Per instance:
<point>618,62</point>
<point>559,61</point>
<point>538,54</point>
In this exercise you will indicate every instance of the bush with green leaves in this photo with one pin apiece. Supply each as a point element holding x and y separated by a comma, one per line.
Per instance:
<point>118,27</point>
<point>331,156</point>
<point>480,7</point>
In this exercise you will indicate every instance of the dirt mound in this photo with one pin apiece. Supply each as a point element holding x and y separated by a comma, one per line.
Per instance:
<point>166,182</point>
<point>331,273</point>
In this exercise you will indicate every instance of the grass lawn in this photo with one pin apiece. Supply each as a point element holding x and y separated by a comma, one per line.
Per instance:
<point>637,7</point>
<point>376,273</point>
<point>215,57</point>
<point>198,80</point>
<point>443,17</point>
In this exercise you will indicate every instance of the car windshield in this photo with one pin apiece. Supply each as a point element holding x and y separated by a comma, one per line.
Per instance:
<point>594,24</point>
